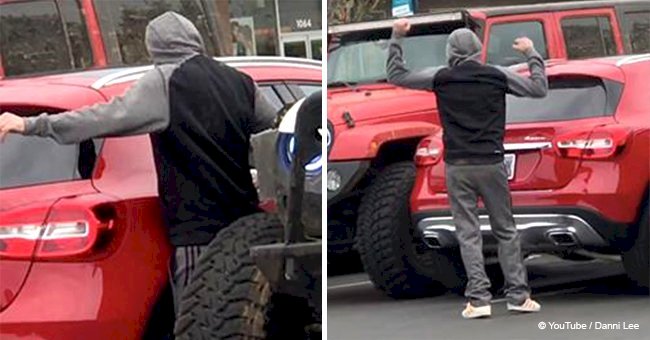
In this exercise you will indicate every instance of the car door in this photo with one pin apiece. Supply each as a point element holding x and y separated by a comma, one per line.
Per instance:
<point>501,32</point>
<point>588,33</point>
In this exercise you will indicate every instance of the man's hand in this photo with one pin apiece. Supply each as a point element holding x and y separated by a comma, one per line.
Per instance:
<point>523,45</point>
<point>401,27</point>
<point>10,122</point>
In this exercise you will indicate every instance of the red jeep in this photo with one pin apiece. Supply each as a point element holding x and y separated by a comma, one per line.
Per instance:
<point>55,36</point>
<point>83,250</point>
<point>375,124</point>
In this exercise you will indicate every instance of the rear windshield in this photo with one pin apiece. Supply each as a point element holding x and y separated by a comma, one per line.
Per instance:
<point>28,161</point>
<point>568,98</point>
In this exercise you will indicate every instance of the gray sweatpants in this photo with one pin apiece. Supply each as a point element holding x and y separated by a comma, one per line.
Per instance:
<point>465,184</point>
<point>184,262</point>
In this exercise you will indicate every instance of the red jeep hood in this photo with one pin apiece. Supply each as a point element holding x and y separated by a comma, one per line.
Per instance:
<point>368,104</point>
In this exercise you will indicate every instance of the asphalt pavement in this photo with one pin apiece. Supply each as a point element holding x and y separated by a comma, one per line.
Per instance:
<point>574,295</point>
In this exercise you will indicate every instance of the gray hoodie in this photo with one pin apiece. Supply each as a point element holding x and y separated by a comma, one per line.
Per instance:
<point>464,46</point>
<point>170,39</point>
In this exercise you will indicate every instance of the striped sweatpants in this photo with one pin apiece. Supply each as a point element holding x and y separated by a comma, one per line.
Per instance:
<point>181,267</point>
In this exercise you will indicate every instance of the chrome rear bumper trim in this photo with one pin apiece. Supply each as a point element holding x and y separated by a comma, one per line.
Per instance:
<point>534,230</point>
<point>526,146</point>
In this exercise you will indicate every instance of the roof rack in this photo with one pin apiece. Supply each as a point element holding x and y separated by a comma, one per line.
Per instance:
<point>269,59</point>
<point>135,73</point>
<point>632,59</point>
<point>128,73</point>
<point>456,13</point>
<point>428,18</point>
<point>553,6</point>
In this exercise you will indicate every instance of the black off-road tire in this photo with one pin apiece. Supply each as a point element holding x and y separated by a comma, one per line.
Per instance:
<point>636,260</point>
<point>388,244</point>
<point>229,297</point>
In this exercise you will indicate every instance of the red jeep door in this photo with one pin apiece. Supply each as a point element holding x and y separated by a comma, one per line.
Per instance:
<point>503,30</point>
<point>588,33</point>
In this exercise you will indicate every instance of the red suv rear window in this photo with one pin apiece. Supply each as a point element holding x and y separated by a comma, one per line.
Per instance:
<point>568,98</point>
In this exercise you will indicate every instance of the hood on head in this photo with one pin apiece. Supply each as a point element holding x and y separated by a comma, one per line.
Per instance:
<point>463,45</point>
<point>171,38</point>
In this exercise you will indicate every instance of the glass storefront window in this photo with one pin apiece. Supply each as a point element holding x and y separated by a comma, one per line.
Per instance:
<point>253,27</point>
<point>296,49</point>
<point>317,49</point>
<point>299,16</point>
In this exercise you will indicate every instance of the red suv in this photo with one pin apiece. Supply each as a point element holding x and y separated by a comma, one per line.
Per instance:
<point>375,124</point>
<point>578,163</point>
<point>83,249</point>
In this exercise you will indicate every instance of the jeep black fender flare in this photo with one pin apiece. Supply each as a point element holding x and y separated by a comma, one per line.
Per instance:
<point>364,142</point>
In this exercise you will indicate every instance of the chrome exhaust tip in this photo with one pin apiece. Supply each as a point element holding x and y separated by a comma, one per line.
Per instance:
<point>563,238</point>
<point>432,239</point>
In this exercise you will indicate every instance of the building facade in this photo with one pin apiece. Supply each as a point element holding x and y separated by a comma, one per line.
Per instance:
<point>272,27</point>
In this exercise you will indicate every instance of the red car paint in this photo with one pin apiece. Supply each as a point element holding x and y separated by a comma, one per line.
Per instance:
<point>109,290</point>
<point>611,182</point>
<point>372,123</point>
<point>371,104</point>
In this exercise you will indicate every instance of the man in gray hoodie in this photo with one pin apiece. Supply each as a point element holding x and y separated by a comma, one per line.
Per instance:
<point>200,115</point>
<point>471,100</point>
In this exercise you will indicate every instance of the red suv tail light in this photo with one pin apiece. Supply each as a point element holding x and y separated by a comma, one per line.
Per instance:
<point>600,143</point>
<point>429,152</point>
<point>68,232</point>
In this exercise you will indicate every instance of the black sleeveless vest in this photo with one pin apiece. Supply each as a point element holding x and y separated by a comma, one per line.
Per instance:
<point>202,157</point>
<point>472,105</point>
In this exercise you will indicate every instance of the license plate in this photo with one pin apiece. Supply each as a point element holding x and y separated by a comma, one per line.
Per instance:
<point>509,160</point>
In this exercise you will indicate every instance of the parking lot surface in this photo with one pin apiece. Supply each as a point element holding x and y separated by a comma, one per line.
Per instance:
<point>580,293</point>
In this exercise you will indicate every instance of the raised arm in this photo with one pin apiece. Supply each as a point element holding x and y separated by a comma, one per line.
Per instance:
<point>396,69</point>
<point>142,109</point>
<point>536,85</point>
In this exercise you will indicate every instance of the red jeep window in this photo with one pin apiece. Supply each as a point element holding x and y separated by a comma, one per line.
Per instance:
<point>361,58</point>
<point>636,29</point>
<point>499,50</point>
<point>123,24</point>
<point>588,37</point>
<point>43,36</point>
